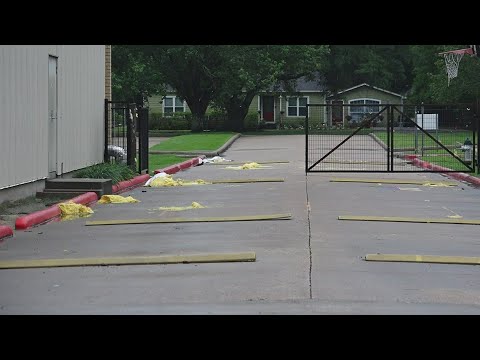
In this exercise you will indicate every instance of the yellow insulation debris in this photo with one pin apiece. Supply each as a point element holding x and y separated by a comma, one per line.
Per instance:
<point>116,199</point>
<point>246,166</point>
<point>195,205</point>
<point>438,185</point>
<point>169,181</point>
<point>71,210</point>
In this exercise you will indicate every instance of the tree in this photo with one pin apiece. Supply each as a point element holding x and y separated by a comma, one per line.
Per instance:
<point>133,74</point>
<point>248,69</point>
<point>430,82</point>
<point>230,75</point>
<point>191,70</point>
<point>465,88</point>
<point>385,66</point>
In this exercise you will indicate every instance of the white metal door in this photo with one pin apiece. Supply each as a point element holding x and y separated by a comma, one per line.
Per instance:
<point>52,116</point>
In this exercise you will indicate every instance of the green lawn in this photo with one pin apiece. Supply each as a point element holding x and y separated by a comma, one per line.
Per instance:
<point>407,139</point>
<point>451,139</point>
<point>192,142</point>
<point>160,161</point>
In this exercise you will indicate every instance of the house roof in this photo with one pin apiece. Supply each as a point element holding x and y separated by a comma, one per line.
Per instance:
<point>370,86</point>
<point>304,85</point>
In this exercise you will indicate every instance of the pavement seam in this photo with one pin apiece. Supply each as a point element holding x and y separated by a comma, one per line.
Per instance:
<point>309,238</point>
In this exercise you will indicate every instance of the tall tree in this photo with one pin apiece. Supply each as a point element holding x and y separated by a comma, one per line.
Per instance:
<point>430,83</point>
<point>191,70</point>
<point>133,74</point>
<point>230,75</point>
<point>248,69</point>
<point>385,66</point>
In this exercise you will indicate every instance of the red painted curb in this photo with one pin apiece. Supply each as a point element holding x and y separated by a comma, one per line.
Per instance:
<point>128,184</point>
<point>455,175</point>
<point>5,231</point>
<point>41,216</point>
<point>172,169</point>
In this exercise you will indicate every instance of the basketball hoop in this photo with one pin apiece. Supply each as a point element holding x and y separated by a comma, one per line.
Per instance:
<point>452,61</point>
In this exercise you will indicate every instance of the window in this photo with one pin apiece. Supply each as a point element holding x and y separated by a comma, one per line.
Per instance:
<point>360,107</point>
<point>297,106</point>
<point>173,104</point>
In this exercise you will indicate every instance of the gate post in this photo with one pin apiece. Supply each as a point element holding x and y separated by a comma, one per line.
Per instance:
<point>106,158</point>
<point>306,141</point>
<point>143,140</point>
<point>131,138</point>
<point>476,120</point>
<point>391,145</point>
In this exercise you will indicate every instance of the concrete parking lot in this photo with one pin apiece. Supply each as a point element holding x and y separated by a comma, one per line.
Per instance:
<point>310,264</point>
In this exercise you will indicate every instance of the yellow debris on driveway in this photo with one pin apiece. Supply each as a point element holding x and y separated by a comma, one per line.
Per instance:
<point>116,199</point>
<point>247,166</point>
<point>195,205</point>
<point>70,210</point>
<point>169,181</point>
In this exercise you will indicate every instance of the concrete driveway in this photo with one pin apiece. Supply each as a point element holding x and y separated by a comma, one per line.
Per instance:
<point>311,264</point>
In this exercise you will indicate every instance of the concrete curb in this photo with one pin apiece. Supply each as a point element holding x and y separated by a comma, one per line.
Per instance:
<point>129,184</point>
<point>454,175</point>
<point>42,216</point>
<point>5,231</point>
<point>207,153</point>
<point>227,144</point>
<point>172,169</point>
<point>50,213</point>
<point>429,166</point>
<point>378,141</point>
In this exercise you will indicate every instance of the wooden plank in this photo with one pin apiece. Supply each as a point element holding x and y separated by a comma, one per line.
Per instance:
<point>410,220</point>
<point>463,260</point>
<point>395,181</point>
<point>241,163</point>
<point>186,220</point>
<point>239,181</point>
<point>128,260</point>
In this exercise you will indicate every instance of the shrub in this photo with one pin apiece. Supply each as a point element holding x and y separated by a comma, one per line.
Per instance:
<point>251,121</point>
<point>115,171</point>
<point>178,121</point>
<point>294,123</point>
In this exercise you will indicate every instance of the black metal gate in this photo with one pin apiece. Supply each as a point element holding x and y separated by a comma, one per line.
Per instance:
<point>390,138</point>
<point>123,121</point>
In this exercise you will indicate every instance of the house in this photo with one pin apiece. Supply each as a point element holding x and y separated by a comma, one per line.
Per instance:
<point>52,118</point>
<point>367,98</point>
<point>278,106</point>
<point>271,106</point>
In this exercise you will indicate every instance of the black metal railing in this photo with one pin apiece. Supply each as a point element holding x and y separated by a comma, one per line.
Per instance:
<point>123,121</point>
<point>391,138</point>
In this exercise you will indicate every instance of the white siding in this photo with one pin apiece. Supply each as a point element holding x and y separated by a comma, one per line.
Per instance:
<point>81,94</point>
<point>24,109</point>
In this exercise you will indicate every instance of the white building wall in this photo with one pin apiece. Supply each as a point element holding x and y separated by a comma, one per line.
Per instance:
<point>81,94</point>
<point>24,110</point>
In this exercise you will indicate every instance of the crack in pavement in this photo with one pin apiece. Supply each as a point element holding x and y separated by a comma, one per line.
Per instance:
<point>309,237</point>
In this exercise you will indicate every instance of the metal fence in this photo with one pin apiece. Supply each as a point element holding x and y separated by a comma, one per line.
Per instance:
<point>372,137</point>
<point>123,122</point>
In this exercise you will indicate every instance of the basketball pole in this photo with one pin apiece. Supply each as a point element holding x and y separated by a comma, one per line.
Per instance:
<point>477,124</point>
